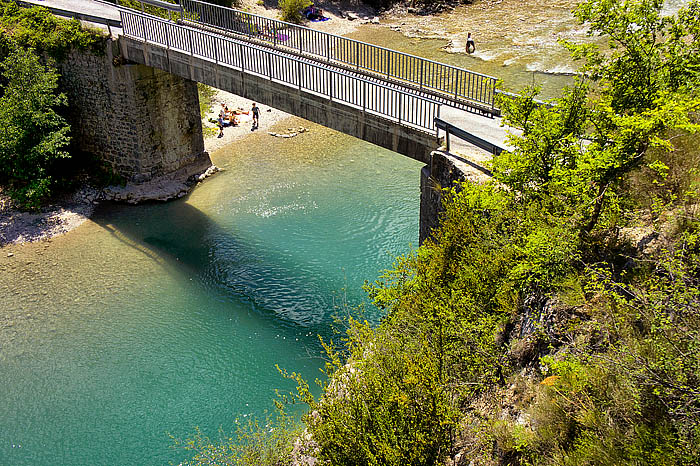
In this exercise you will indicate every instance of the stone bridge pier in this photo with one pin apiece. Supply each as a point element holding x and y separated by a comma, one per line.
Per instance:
<point>142,122</point>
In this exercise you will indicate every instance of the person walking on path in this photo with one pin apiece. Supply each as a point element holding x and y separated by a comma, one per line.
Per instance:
<point>256,115</point>
<point>471,48</point>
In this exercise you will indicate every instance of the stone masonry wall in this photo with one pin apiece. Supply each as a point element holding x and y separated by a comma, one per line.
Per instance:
<point>141,121</point>
<point>443,172</point>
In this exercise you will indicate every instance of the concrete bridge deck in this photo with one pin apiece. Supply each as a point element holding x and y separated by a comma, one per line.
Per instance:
<point>197,68</point>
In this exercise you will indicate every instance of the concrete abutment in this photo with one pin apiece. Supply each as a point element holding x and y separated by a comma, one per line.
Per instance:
<point>444,171</point>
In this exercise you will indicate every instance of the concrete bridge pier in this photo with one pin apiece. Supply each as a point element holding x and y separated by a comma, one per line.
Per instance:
<point>143,122</point>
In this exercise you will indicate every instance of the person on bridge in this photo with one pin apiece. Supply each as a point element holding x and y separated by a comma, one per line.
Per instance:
<point>471,48</point>
<point>256,115</point>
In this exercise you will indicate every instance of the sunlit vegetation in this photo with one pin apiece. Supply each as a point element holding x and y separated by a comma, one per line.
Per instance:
<point>34,137</point>
<point>554,317</point>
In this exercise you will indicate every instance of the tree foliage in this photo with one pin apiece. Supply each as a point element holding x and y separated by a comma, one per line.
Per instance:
<point>36,28</point>
<point>550,218</point>
<point>33,137</point>
<point>291,9</point>
<point>614,371</point>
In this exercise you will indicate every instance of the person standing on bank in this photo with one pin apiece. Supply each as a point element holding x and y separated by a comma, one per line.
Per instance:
<point>256,115</point>
<point>222,116</point>
<point>471,48</point>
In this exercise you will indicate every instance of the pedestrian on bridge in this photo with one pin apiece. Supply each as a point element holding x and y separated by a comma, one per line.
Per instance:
<point>256,115</point>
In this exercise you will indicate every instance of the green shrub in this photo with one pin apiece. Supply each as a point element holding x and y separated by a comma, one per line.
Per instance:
<point>252,444</point>
<point>38,29</point>
<point>386,405</point>
<point>33,137</point>
<point>291,9</point>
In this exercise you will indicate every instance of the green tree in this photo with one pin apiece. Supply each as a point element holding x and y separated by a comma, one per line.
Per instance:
<point>291,9</point>
<point>576,154</point>
<point>33,136</point>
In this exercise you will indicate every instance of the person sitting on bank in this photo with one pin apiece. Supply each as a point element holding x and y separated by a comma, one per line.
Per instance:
<point>311,12</point>
<point>471,48</point>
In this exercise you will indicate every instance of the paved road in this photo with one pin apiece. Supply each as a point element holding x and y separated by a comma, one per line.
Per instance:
<point>486,128</point>
<point>88,7</point>
<point>83,7</point>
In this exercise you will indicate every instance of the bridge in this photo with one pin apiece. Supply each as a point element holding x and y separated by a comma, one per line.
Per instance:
<point>389,98</point>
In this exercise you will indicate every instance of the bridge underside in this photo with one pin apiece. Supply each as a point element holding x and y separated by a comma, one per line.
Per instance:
<point>408,141</point>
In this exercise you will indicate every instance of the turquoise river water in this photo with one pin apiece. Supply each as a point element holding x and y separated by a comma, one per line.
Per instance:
<point>151,320</point>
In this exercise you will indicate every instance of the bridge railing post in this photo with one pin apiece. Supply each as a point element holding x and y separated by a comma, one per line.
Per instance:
<point>299,73</point>
<point>400,95</point>
<point>216,50</point>
<point>421,74</point>
<point>240,54</point>
<point>437,130</point>
<point>388,62</point>
<point>364,96</point>
<point>143,26</point>
<point>493,97</point>
<point>167,36</point>
<point>269,66</point>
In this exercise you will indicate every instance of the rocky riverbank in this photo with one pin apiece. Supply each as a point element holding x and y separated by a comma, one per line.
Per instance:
<point>65,214</point>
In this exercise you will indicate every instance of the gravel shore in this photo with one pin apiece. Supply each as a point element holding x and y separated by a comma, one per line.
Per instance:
<point>65,214</point>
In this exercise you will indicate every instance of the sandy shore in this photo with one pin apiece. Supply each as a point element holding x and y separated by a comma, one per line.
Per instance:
<point>268,117</point>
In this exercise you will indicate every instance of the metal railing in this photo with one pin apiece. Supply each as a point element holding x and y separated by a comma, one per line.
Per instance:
<point>377,98</point>
<point>449,81</point>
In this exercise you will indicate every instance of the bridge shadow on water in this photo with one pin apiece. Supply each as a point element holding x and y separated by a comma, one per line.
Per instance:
<point>236,271</point>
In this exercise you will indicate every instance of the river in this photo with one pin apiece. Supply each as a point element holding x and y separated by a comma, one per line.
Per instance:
<point>158,318</point>
<point>151,320</point>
